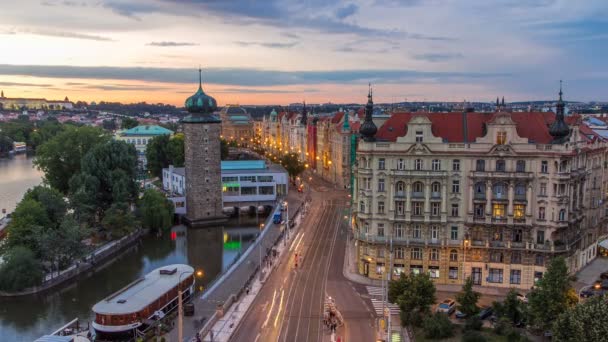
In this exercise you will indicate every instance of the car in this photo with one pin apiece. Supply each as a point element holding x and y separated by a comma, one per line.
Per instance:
<point>604,284</point>
<point>588,293</point>
<point>447,306</point>
<point>460,315</point>
<point>485,312</point>
<point>522,297</point>
<point>604,275</point>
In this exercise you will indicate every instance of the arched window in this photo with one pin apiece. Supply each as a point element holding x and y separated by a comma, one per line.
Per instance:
<point>480,190</point>
<point>520,190</point>
<point>562,215</point>
<point>453,255</point>
<point>400,187</point>
<point>499,190</point>
<point>436,187</point>
<point>418,187</point>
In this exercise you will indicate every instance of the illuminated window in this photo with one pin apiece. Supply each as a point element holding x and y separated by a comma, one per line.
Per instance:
<point>518,211</point>
<point>501,138</point>
<point>498,210</point>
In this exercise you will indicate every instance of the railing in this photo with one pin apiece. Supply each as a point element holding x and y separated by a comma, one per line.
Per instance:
<point>400,194</point>
<point>417,194</point>
<point>435,194</point>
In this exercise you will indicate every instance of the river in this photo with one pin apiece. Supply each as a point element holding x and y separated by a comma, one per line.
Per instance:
<point>211,250</point>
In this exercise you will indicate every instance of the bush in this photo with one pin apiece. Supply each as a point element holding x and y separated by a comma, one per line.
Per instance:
<point>473,336</point>
<point>473,323</point>
<point>20,270</point>
<point>502,326</point>
<point>437,326</point>
<point>514,336</point>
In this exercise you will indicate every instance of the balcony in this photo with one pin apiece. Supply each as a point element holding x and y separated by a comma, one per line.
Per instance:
<point>400,194</point>
<point>479,196</point>
<point>500,197</point>
<point>499,220</point>
<point>436,195</point>
<point>519,198</point>
<point>417,194</point>
<point>497,244</point>
<point>518,244</point>
<point>435,242</point>
<point>479,243</point>
<point>506,175</point>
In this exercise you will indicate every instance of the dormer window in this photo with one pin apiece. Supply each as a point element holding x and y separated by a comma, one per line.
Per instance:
<point>419,136</point>
<point>501,138</point>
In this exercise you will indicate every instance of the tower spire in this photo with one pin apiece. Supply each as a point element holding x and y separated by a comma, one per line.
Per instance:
<point>368,128</point>
<point>200,78</point>
<point>560,90</point>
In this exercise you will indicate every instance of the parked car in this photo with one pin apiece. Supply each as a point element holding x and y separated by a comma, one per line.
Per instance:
<point>604,275</point>
<point>485,312</point>
<point>588,293</point>
<point>460,315</point>
<point>447,306</point>
<point>522,297</point>
<point>604,284</point>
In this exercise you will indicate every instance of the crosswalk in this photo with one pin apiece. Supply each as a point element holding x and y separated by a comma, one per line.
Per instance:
<point>374,291</point>
<point>377,304</point>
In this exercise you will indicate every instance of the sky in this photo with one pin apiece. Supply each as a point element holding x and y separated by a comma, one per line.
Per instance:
<point>285,51</point>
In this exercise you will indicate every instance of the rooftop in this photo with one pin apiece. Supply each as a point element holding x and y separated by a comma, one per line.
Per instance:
<point>140,293</point>
<point>147,130</point>
<point>243,165</point>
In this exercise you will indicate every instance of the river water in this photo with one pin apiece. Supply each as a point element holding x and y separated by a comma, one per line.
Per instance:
<point>211,250</point>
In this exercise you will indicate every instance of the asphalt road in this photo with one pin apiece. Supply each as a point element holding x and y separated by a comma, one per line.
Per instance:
<point>289,306</point>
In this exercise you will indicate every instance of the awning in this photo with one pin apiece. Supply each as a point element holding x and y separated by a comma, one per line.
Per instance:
<point>604,244</point>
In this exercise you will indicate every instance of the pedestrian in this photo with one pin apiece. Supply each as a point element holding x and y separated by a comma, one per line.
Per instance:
<point>247,289</point>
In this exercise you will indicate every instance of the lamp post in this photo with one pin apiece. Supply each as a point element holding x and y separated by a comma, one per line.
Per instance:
<point>286,223</point>
<point>464,261</point>
<point>260,248</point>
<point>180,312</point>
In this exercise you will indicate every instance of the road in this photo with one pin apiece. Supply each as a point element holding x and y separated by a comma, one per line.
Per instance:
<point>289,307</point>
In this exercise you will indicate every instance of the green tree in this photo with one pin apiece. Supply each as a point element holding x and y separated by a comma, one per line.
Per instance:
<point>20,270</point>
<point>107,177</point>
<point>119,220</point>
<point>176,150</point>
<point>129,123</point>
<point>109,125</point>
<point>156,211</point>
<point>52,200</point>
<point>473,336</point>
<point>417,294</point>
<point>6,144</point>
<point>60,247</point>
<point>293,165</point>
<point>467,298</point>
<point>60,157</point>
<point>585,322</point>
<point>551,296</point>
<point>224,149</point>
<point>438,326</point>
<point>28,219</point>
<point>511,308</point>
<point>158,155</point>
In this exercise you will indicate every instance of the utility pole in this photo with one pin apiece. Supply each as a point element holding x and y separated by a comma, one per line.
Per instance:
<point>388,278</point>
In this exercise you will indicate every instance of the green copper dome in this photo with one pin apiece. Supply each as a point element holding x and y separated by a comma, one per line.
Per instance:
<point>201,102</point>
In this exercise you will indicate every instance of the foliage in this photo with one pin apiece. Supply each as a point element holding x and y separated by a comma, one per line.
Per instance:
<point>502,326</point>
<point>156,211</point>
<point>52,201</point>
<point>414,293</point>
<point>60,247</point>
<point>20,270</point>
<point>551,296</point>
<point>163,151</point>
<point>60,157</point>
<point>32,133</point>
<point>6,144</point>
<point>473,323</point>
<point>585,322</point>
<point>29,217</point>
<point>473,336</point>
<point>107,177</point>
<point>118,220</point>
<point>224,149</point>
<point>438,326</point>
<point>467,298</point>
<point>109,124</point>
<point>292,164</point>
<point>128,123</point>
<point>511,308</point>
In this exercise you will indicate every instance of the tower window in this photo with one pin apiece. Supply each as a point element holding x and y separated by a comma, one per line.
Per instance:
<point>501,138</point>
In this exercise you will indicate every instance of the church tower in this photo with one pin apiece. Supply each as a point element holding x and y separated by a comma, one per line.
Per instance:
<point>202,160</point>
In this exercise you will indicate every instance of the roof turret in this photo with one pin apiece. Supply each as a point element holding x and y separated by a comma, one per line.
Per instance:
<point>201,105</point>
<point>559,129</point>
<point>368,128</point>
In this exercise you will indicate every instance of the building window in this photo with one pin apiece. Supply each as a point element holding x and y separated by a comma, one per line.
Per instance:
<point>455,210</point>
<point>249,190</point>
<point>400,187</point>
<point>417,189</point>
<point>419,136</point>
<point>541,213</point>
<point>499,191</point>
<point>434,254</point>
<point>366,227</point>
<point>480,190</point>
<point>381,163</point>
<point>418,164</point>
<point>399,207</point>
<point>453,273</point>
<point>454,233</point>
<point>520,166</point>
<point>496,257</point>
<point>399,231</point>
<point>518,235</point>
<point>498,210</point>
<point>417,208</point>
<point>515,277</point>
<point>380,207</point>
<point>453,255</point>
<point>501,138</point>
<point>540,237</point>
<point>435,189</point>
<point>399,253</point>
<point>456,165</point>
<point>362,206</point>
<point>539,260</point>
<point>520,191</point>
<point>519,210</point>
<point>495,275</point>
<point>544,166</point>
<point>479,210</point>
<point>435,209</point>
<point>381,185</point>
<point>516,257</point>
<point>400,164</point>
<point>416,253</point>
<point>562,215</point>
<point>501,166</point>
<point>434,272</point>
<point>380,229</point>
<point>436,165</point>
<point>537,276</point>
<point>434,232</point>
<point>380,252</point>
<point>480,165</point>
<point>416,232</point>
<point>456,186</point>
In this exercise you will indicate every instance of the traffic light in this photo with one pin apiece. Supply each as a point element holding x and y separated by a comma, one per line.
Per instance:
<point>173,236</point>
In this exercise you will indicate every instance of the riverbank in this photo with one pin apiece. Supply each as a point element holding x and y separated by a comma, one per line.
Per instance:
<point>90,264</point>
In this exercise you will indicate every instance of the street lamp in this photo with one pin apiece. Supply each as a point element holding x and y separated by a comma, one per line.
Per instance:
<point>260,248</point>
<point>464,261</point>
<point>180,313</point>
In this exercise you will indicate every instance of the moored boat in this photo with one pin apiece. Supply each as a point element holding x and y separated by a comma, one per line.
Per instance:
<point>137,305</point>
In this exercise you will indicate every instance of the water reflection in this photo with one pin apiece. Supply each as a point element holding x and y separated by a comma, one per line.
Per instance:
<point>209,249</point>
<point>17,175</point>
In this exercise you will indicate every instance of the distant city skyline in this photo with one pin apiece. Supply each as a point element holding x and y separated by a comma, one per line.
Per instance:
<point>281,52</point>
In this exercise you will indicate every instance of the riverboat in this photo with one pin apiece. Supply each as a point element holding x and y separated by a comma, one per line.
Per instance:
<point>134,308</point>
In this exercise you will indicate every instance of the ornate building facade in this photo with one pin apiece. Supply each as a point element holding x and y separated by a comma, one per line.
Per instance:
<point>493,196</point>
<point>237,124</point>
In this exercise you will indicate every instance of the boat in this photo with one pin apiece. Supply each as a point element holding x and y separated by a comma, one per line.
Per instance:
<point>134,308</point>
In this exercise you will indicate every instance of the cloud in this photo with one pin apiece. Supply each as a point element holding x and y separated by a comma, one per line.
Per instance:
<point>123,87</point>
<point>265,91</point>
<point>347,11</point>
<point>437,57</point>
<point>19,84</point>
<point>240,76</point>
<point>171,44</point>
<point>58,34</point>
<point>291,35</point>
<point>131,9</point>
<point>268,45</point>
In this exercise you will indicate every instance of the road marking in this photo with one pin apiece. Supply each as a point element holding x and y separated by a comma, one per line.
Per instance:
<point>270,311</point>
<point>301,239</point>
<point>257,337</point>
<point>377,304</point>
<point>374,291</point>
<point>280,307</point>
<point>293,242</point>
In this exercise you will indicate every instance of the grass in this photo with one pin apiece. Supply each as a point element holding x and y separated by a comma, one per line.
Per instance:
<point>486,332</point>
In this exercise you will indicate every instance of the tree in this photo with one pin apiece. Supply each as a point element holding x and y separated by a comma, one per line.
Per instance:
<point>467,299</point>
<point>293,165</point>
<point>163,151</point>
<point>60,247</point>
<point>438,326</point>
<point>414,294</point>
<point>585,322</point>
<point>52,200</point>
<point>129,123</point>
<point>109,125</point>
<point>29,218</point>
<point>20,270</point>
<point>6,144</point>
<point>510,308</point>
<point>60,157</point>
<point>176,150</point>
<point>156,211</point>
<point>551,296</point>
<point>118,220</point>
<point>224,149</point>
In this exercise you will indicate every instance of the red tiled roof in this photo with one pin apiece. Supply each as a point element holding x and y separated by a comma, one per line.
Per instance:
<point>337,117</point>
<point>451,126</point>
